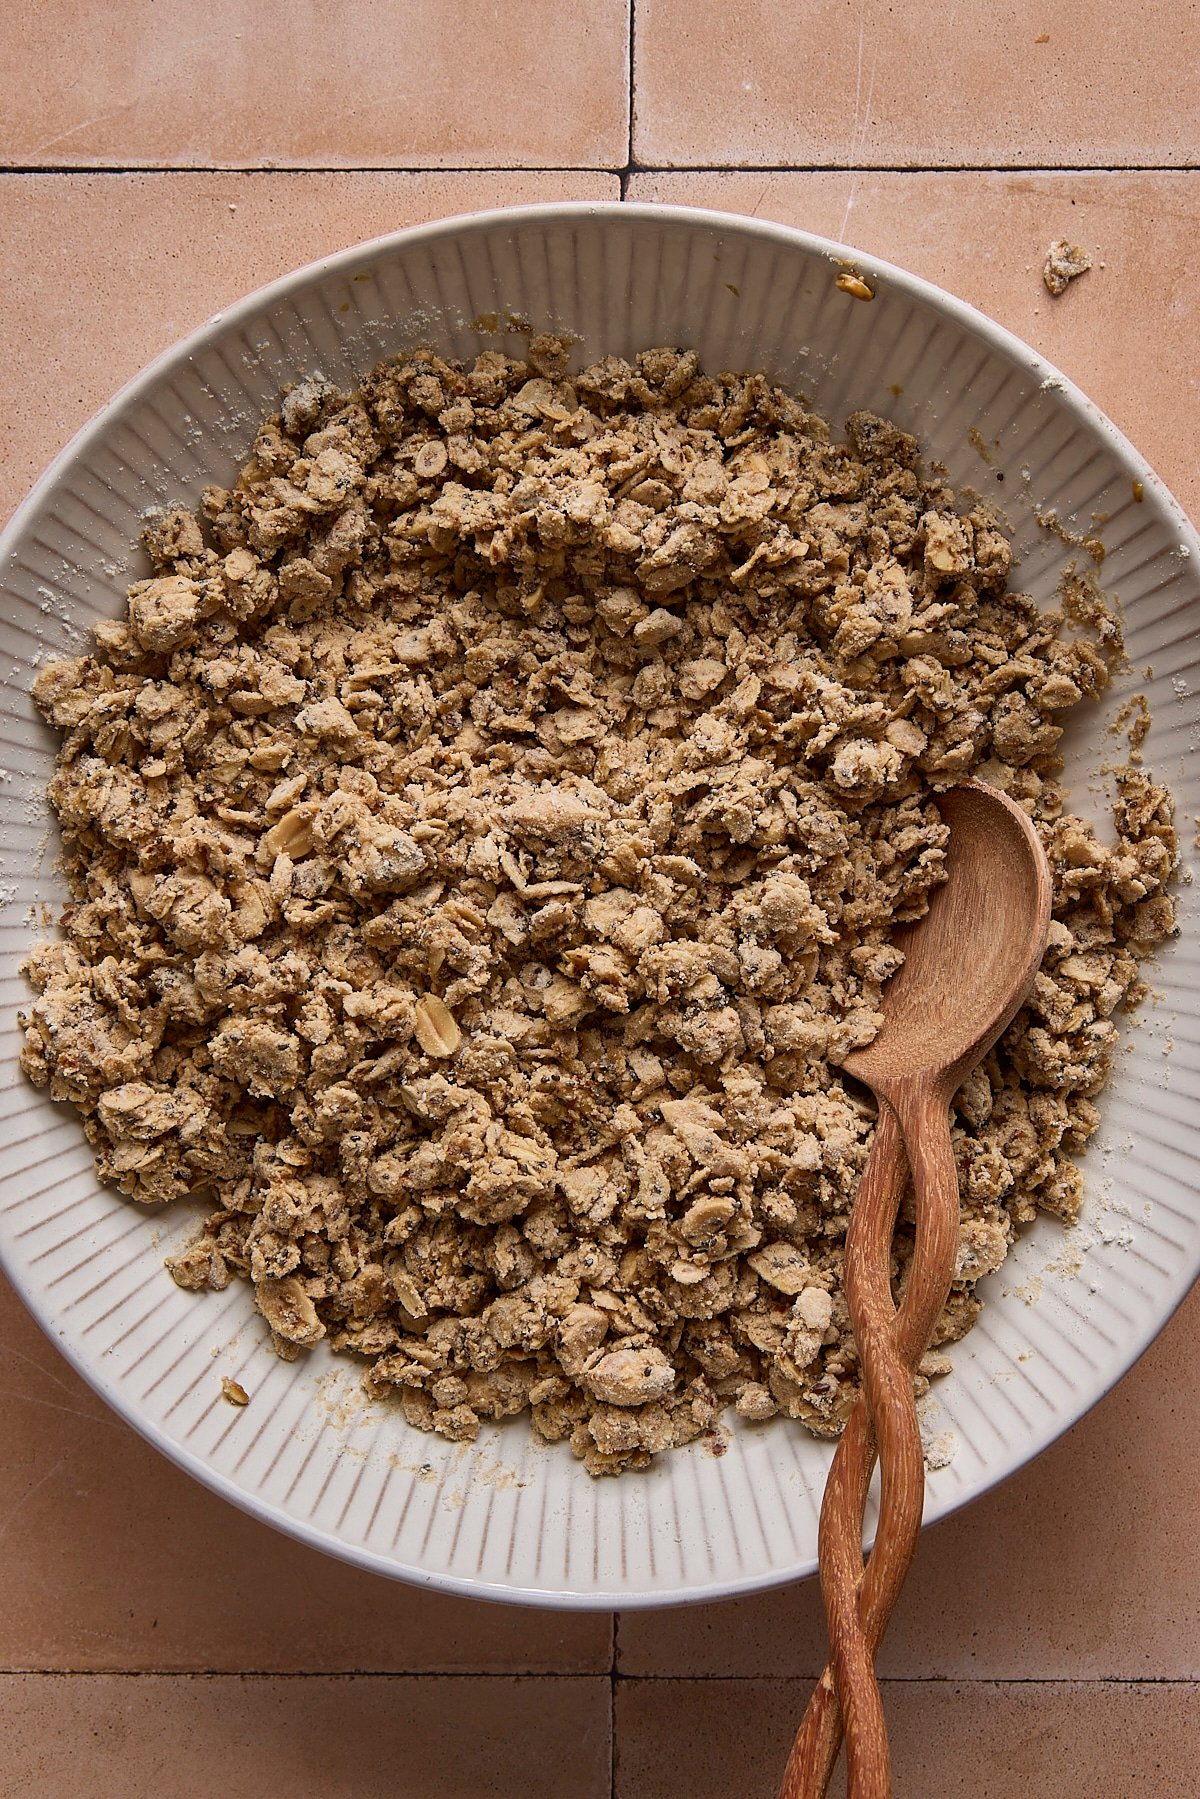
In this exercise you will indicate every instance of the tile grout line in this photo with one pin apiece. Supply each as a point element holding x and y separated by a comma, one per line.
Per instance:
<point>560,1674</point>
<point>630,98</point>
<point>1187,1682</point>
<point>612,1706</point>
<point>622,171</point>
<point>914,168</point>
<point>1184,1682</point>
<point>433,170</point>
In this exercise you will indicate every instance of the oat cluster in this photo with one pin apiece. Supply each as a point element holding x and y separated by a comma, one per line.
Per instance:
<point>485,832</point>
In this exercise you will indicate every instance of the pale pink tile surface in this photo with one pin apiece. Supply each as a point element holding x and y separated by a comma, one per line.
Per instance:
<point>104,271</point>
<point>1126,332</point>
<point>114,1559</point>
<point>713,1739</point>
<point>104,1737</point>
<point>1082,1566</point>
<point>831,84</point>
<point>362,84</point>
<point>1073,1568</point>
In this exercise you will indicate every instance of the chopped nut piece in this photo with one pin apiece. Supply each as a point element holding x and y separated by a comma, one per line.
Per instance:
<point>292,836</point>
<point>234,1391</point>
<point>434,1027</point>
<point>854,284</point>
<point>430,460</point>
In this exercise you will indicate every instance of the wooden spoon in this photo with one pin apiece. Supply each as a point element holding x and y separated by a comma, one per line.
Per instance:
<point>969,963</point>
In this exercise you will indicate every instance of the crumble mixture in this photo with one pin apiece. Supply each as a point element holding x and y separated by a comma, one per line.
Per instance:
<point>485,832</point>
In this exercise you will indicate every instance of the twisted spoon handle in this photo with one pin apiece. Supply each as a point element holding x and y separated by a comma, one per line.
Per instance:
<point>872,1222</point>
<point>858,1603</point>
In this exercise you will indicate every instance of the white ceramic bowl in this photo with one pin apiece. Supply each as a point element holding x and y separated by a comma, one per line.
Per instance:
<point>1069,1311</point>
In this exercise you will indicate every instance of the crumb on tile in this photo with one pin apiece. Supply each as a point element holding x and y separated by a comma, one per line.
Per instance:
<point>1064,263</point>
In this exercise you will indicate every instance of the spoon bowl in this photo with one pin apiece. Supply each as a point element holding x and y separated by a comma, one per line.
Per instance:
<point>969,962</point>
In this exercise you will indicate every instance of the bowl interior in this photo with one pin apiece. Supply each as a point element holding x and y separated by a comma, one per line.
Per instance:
<point>1067,1313</point>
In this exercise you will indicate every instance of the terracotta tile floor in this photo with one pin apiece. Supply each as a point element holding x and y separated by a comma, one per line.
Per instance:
<point>156,166</point>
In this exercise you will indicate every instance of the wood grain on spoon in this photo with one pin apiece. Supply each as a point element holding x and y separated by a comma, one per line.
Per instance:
<point>969,962</point>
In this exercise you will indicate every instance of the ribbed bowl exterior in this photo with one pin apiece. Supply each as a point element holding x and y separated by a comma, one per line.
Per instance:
<point>1069,1311</point>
